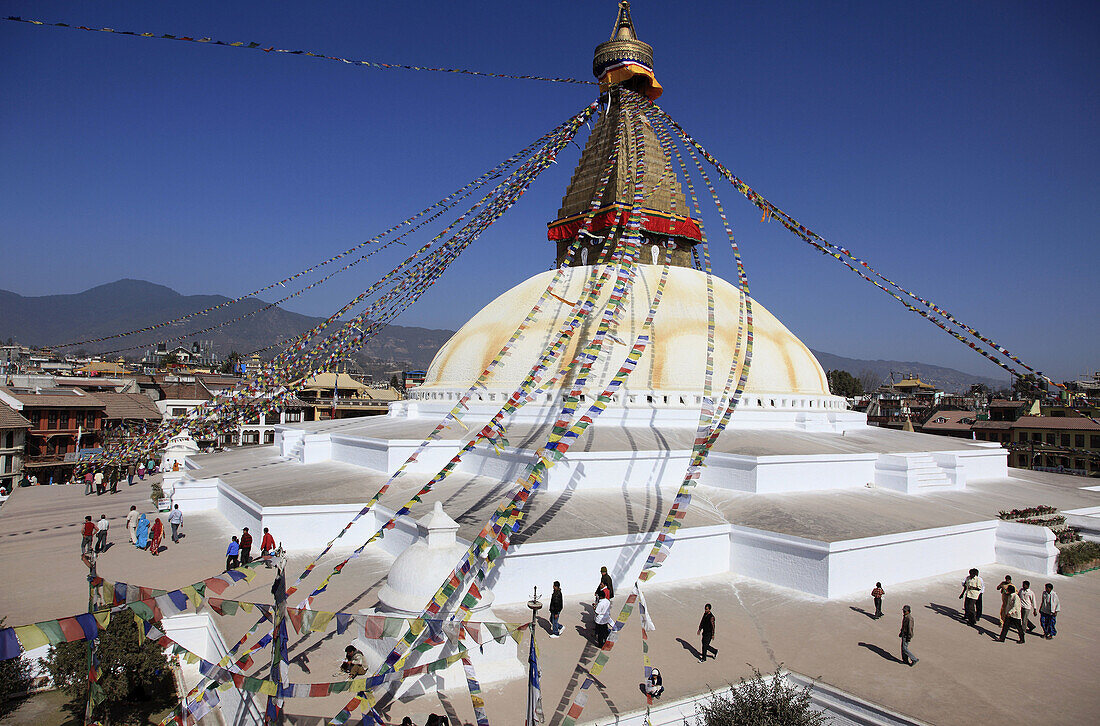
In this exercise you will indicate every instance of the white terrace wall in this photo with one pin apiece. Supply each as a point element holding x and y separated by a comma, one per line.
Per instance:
<point>1027,546</point>
<point>698,552</point>
<point>197,633</point>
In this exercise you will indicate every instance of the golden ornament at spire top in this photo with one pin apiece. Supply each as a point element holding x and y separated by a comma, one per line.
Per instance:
<point>624,59</point>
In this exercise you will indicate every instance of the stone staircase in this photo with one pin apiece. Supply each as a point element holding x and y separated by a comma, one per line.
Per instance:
<point>911,473</point>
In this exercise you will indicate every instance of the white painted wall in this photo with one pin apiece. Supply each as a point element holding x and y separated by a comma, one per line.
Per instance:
<point>1027,546</point>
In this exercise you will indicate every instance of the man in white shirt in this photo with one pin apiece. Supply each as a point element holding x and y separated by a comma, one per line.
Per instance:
<point>101,533</point>
<point>603,620</point>
<point>1048,612</point>
<point>1028,605</point>
<point>971,595</point>
<point>176,520</point>
<point>131,524</point>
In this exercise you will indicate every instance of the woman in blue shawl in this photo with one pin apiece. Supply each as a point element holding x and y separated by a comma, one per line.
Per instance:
<point>142,532</point>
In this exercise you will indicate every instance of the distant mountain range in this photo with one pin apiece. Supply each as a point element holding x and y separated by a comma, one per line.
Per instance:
<point>131,304</point>
<point>948,379</point>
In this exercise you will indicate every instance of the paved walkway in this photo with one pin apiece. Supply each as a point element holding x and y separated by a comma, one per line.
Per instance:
<point>964,676</point>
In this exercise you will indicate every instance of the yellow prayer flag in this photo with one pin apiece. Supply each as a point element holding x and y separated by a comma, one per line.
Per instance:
<point>31,636</point>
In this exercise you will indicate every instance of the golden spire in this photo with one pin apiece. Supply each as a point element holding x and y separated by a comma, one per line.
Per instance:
<point>624,59</point>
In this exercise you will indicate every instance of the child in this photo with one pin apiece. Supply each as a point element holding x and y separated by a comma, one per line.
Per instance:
<point>877,594</point>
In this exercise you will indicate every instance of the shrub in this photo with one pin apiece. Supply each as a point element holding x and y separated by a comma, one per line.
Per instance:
<point>756,702</point>
<point>1027,512</point>
<point>135,677</point>
<point>156,492</point>
<point>1078,556</point>
<point>15,680</point>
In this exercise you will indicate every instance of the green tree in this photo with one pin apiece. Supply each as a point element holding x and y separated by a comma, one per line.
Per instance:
<point>15,680</point>
<point>135,677</point>
<point>231,361</point>
<point>170,359</point>
<point>756,702</point>
<point>843,383</point>
<point>394,383</point>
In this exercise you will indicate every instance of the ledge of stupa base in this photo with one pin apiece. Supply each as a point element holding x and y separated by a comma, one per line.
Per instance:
<point>614,455</point>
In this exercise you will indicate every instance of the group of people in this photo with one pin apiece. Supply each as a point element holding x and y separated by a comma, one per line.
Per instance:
<point>145,535</point>
<point>239,551</point>
<point>104,480</point>
<point>93,535</point>
<point>1017,606</point>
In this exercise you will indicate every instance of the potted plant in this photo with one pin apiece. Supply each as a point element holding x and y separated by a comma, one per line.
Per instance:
<point>156,495</point>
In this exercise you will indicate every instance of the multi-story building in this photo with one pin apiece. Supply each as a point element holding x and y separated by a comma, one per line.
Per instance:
<point>127,415</point>
<point>1067,444</point>
<point>338,395</point>
<point>13,437</point>
<point>65,424</point>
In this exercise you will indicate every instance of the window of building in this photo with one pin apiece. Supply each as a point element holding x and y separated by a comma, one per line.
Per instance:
<point>1021,460</point>
<point>1036,436</point>
<point>1023,436</point>
<point>51,420</point>
<point>296,416</point>
<point>1063,439</point>
<point>1050,439</point>
<point>1079,441</point>
<point>9,440</point>
<point>6,461</point>
<point>1094,442</point>
<point>271,417</point>
<point>269,437</point>
<point>179,411</point>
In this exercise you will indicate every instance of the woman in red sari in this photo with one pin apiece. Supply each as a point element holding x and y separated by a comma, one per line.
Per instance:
<point>155,535</point>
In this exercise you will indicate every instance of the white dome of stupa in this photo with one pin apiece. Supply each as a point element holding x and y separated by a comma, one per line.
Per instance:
<point>674,361</point>
<point>417,573</point>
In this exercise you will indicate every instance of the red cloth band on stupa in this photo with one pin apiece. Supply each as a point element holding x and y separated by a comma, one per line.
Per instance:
<point>652,221</point>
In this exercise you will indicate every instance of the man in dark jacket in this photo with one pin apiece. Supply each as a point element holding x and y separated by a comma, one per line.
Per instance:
<point>246,547</point>
<point>906,636</point>
<point>555,610</point>
<point>706,630</point>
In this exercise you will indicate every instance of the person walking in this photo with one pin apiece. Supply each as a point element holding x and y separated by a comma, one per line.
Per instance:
<point>131,523</point>
<point>155,536</point>
<point>603,620</point>
<point>876,595</point>
<point>98,479</point>
<point>555,610</point>
<point>1003,588</point>
<point>706,630</point>
<point>246,547</point>
<point>267,547</point>
<point>906,635</point>
<point>233,555</point>
<point>1028,606</point>
<point>142,539</point>
<point>175,518</point>
<point>972,589</point>
<point>1011,611</point>
<point>88,482</point>
<point>101,534</point>
<point>141,471</point>
<point>131,471</point>
<point>1048,611</point>
<point>114,480</point>
<point>87,531</point>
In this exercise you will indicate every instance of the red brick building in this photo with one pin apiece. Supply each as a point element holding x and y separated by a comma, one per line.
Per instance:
<point>62,420</point>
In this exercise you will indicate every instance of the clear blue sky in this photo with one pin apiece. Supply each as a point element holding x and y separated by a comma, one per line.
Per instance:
<point>953,144</point>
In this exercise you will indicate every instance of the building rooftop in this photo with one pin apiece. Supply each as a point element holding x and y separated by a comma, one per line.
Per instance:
<point>949,421</point>
<point>52,397</point>
<point>122,406</point>
<point>12,419</point>
<point>1070,423</point>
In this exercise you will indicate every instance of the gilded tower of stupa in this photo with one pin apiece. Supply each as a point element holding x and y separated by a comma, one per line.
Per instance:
<point>625,62</point>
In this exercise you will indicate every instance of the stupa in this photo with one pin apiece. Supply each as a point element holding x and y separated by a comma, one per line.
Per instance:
<point>799,491</point>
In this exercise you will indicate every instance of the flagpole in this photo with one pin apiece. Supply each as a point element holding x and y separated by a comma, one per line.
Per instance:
<point>532,664</point>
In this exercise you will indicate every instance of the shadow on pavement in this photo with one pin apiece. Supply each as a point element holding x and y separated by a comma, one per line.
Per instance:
<point>884,653</point>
